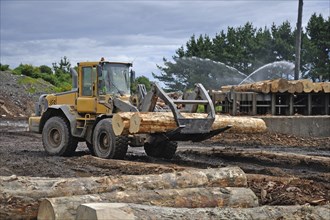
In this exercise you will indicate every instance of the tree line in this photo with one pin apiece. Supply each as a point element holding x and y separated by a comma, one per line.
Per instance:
<point>59,74</point>
<point>247,48</point>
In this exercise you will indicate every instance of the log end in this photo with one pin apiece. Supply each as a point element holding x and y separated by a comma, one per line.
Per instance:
<point>96,211</point>
<point>118,124</point>
<point>134,123</point>
<point>46,210</point>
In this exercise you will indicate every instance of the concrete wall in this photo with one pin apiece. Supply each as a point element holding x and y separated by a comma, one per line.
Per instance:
<point>306,126</point>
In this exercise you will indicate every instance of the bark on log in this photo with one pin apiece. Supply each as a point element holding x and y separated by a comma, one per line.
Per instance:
<point>65,207</point>
<point>262,86</point>
<point>316,162</point>
<point>267,178</point>
<point>154,122</point>
<point>281,85</point>
<point>94,211</point>
<point>227,88</point>
<point>20,195</point>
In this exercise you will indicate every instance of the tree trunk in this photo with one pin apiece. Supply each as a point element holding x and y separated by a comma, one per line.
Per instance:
<point>155,122</point>
<point>95,211</point>
<point>65,207</point>
<point>20,195</point>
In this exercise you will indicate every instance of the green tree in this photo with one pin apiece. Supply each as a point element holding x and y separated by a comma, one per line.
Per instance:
<point>4,67</point>
<point>45,69</point>
<point>318,57</point>
<point>283,41</point>
<point>141,80</point>
<point>63,66</point>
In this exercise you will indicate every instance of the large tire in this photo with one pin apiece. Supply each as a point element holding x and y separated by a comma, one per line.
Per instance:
<point>165,149</point>
<point>57,139</point>
<point>106,144</point>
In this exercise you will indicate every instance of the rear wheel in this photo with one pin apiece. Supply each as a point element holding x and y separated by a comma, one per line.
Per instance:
<point>106,144</point>
<point>165,149</point>
<point>57,139</point>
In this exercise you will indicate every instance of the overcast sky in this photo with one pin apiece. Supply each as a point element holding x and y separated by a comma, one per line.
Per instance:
<point>143,32</point>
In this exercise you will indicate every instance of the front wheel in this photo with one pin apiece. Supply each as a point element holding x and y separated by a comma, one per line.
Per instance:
<point>165,149</point>
<point>57,139</point>
<point>106,144</point>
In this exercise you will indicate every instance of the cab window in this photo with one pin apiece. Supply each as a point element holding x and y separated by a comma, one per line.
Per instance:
<point>87,81</point>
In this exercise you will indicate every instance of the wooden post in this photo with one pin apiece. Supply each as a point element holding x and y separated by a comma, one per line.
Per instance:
<point>298,41</point>
<point>254,104</point>
<point>291,104</point>
<point>309,104</point>
<point>273,105</point>
<point>326,103</point>
<point>234,104</point>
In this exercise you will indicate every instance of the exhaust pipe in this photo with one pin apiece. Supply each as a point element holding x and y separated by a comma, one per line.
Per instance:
<point>74,75</point>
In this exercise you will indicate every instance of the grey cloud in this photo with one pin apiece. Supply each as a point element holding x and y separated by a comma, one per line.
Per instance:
<point>40,32</point>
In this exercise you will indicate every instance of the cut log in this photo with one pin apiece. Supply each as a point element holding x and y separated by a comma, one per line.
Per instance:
<point>267,178</point>
<point>279,85</point>
<point>314,162</point>
<point>155,122</point>
<point>307,85</point>
<point>239,124</point>
<point>65,207</point>
<point>120,122</point>
<point>227,88</point>
<point>96,211</point>
<point>295,86</point>
<point>326,87</point>
<point>25,192</point>
<point>261,86</point>
<point>317,87</point>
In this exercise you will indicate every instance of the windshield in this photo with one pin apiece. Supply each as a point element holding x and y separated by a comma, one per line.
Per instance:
<point>115,79</point>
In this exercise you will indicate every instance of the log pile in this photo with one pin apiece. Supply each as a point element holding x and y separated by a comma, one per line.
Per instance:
<point>136,211</point>
<point>281,86</point>
<point>157,122</point>
<point>21,196</point>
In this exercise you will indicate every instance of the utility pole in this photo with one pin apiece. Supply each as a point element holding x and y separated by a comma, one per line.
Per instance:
<point>298,41</point>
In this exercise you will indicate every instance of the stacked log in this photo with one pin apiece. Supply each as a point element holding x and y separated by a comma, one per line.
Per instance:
<point>28,192</point>
<point>66,207</point>
<point>135,211</point>
<point>158,122</point>
<point>281,86</point>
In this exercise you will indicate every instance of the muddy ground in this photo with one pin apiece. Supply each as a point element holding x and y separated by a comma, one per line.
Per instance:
<point>283,177</point>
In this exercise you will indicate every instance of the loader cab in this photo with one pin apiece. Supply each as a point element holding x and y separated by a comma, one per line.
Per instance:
<point>114,78</point>
<point>99,80</point>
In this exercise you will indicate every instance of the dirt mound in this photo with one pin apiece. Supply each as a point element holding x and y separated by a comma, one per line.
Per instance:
<point>19,93</point>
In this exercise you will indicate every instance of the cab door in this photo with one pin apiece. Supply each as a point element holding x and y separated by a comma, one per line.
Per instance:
<point>87,100</point>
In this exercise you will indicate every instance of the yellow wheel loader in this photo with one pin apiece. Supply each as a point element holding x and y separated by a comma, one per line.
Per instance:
<point>101,89</point>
